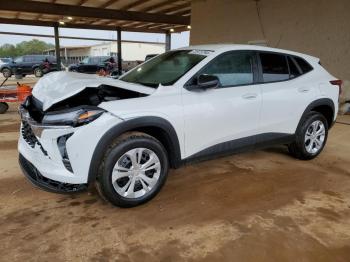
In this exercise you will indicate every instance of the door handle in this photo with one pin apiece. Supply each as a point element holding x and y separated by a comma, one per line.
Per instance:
<point>250,96</point>
<point>303,89</point>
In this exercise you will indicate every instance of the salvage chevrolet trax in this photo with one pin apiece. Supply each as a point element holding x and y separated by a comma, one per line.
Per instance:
<point>184,105</point>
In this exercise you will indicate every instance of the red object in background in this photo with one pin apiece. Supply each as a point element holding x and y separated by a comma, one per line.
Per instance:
<point>15,95</point>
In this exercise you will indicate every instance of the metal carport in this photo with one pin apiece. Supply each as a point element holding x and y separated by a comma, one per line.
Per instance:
<point>153,16</point>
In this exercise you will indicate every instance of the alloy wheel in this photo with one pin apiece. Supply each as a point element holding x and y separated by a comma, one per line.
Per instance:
<point>315,136</point>
<point>136,173</point>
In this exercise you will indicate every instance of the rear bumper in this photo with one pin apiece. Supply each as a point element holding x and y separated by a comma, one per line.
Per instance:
<point>37,179</point>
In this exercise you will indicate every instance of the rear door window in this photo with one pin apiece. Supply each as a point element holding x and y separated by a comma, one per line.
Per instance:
<point>28,59</point>
<point>274,67</point>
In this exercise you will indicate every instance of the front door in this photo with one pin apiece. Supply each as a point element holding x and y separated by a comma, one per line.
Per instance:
<point>225,117</point>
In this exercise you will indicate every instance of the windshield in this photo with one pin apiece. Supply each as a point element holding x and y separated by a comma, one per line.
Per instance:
<point>5,60</point>
<point>164,69</point>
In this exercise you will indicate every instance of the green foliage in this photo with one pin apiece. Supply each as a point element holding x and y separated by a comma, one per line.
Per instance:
<point>24,48</point>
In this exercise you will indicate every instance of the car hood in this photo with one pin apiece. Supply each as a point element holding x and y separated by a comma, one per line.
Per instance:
<point>57,86</point>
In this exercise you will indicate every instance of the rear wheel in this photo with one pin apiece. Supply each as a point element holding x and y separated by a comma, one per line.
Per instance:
<point>6,72</point>
<point>311,137</point>
<point>3,107</point>
<point>133,171</point>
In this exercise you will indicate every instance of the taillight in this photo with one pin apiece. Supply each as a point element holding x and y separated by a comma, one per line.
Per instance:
<point>337,83</point>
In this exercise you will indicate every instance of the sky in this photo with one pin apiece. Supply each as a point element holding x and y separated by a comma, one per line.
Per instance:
<point>178,39</point>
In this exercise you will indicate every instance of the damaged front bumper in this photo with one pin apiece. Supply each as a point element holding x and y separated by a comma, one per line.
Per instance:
<point>47,184</point>
<point>55,164</point>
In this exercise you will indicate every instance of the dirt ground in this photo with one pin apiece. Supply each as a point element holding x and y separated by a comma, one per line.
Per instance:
<point>256,206</point>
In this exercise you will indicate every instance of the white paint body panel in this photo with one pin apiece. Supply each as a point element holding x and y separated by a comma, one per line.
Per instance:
<point>201,119</point>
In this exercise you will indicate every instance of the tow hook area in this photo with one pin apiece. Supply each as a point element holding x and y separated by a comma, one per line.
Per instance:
<point>36,178</point>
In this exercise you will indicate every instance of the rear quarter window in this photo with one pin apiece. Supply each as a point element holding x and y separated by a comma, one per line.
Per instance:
<point>304,66</point>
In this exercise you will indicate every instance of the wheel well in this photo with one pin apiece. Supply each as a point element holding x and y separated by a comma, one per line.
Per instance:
<point>326,111</point>
<point>163,137</point>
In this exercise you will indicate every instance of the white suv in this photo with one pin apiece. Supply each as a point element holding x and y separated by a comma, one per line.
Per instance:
<point>184,105</point>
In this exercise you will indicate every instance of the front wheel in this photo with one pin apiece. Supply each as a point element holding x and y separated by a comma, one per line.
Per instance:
<point>6,72</point>
<point>133,171</point>
<point>3,107</point>
<point>311,137</point>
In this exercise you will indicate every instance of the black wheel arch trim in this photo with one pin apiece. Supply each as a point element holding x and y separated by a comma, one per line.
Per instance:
<point>132,125</point>
<point>317,103</point>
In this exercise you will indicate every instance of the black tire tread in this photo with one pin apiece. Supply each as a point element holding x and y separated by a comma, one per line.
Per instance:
<point>296,148</point>
<point>3,107</point>
<point>119,140</point>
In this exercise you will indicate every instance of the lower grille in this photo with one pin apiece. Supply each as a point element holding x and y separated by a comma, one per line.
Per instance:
<point>45,183</point>
<point>30,138</point>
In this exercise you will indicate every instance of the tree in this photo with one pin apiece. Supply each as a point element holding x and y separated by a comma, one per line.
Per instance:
<point>31,47</point>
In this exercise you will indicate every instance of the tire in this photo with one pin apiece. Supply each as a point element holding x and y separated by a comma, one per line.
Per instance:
<point>38,72</point>
<point>309,137</point>
<point>3,107</point>
<point>117,157</point>
<point>6,72</point>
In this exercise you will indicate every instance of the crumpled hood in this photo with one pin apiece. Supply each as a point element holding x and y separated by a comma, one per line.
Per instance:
<point>57,86</point>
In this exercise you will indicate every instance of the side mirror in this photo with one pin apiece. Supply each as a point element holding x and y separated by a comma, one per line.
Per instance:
<point>207,81</point>
<point>203,82</point>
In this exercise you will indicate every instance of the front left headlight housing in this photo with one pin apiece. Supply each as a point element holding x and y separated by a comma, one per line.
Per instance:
<point>73,117</point>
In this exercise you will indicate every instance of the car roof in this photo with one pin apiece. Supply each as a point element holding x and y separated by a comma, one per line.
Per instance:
<point>228,47</point>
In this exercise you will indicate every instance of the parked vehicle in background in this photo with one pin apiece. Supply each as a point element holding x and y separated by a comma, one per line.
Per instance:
<point>27,65</point>
<point>184,105</point>
<point>94,64</point>
<point>5,61</point>
<point>148,57</point>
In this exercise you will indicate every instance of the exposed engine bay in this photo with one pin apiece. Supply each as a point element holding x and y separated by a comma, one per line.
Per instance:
<point>90,96</point>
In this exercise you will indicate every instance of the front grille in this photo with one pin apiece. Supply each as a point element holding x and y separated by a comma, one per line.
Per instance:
<point>30,138</point>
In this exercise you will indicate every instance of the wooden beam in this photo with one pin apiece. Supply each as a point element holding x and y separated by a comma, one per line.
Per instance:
<point>108,3</point>
<point>40,15</point>
<point>73,25</point>
<point>81,2</point>
<point>134,4</point>
<point>82,11</point>
<point>175,9</point>
<point>159,5</point>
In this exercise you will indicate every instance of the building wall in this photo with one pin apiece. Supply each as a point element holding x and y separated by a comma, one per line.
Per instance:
<point>317,27</point>
<point>130,51</point>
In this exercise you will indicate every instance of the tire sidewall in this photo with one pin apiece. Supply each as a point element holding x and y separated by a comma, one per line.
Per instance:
<point>313,116</point>
<point>38,72</point>
<point>7,70</point>
<point>3,107</point>
<point>111,159</point>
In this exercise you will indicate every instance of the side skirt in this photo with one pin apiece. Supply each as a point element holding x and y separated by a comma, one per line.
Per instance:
<point>240,145</point>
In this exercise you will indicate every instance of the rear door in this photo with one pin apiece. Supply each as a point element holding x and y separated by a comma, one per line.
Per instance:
<point>286,93</point>
<point>228,116</point>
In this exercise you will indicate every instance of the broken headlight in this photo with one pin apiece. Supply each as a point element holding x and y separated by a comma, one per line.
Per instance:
<point>73,117</point>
